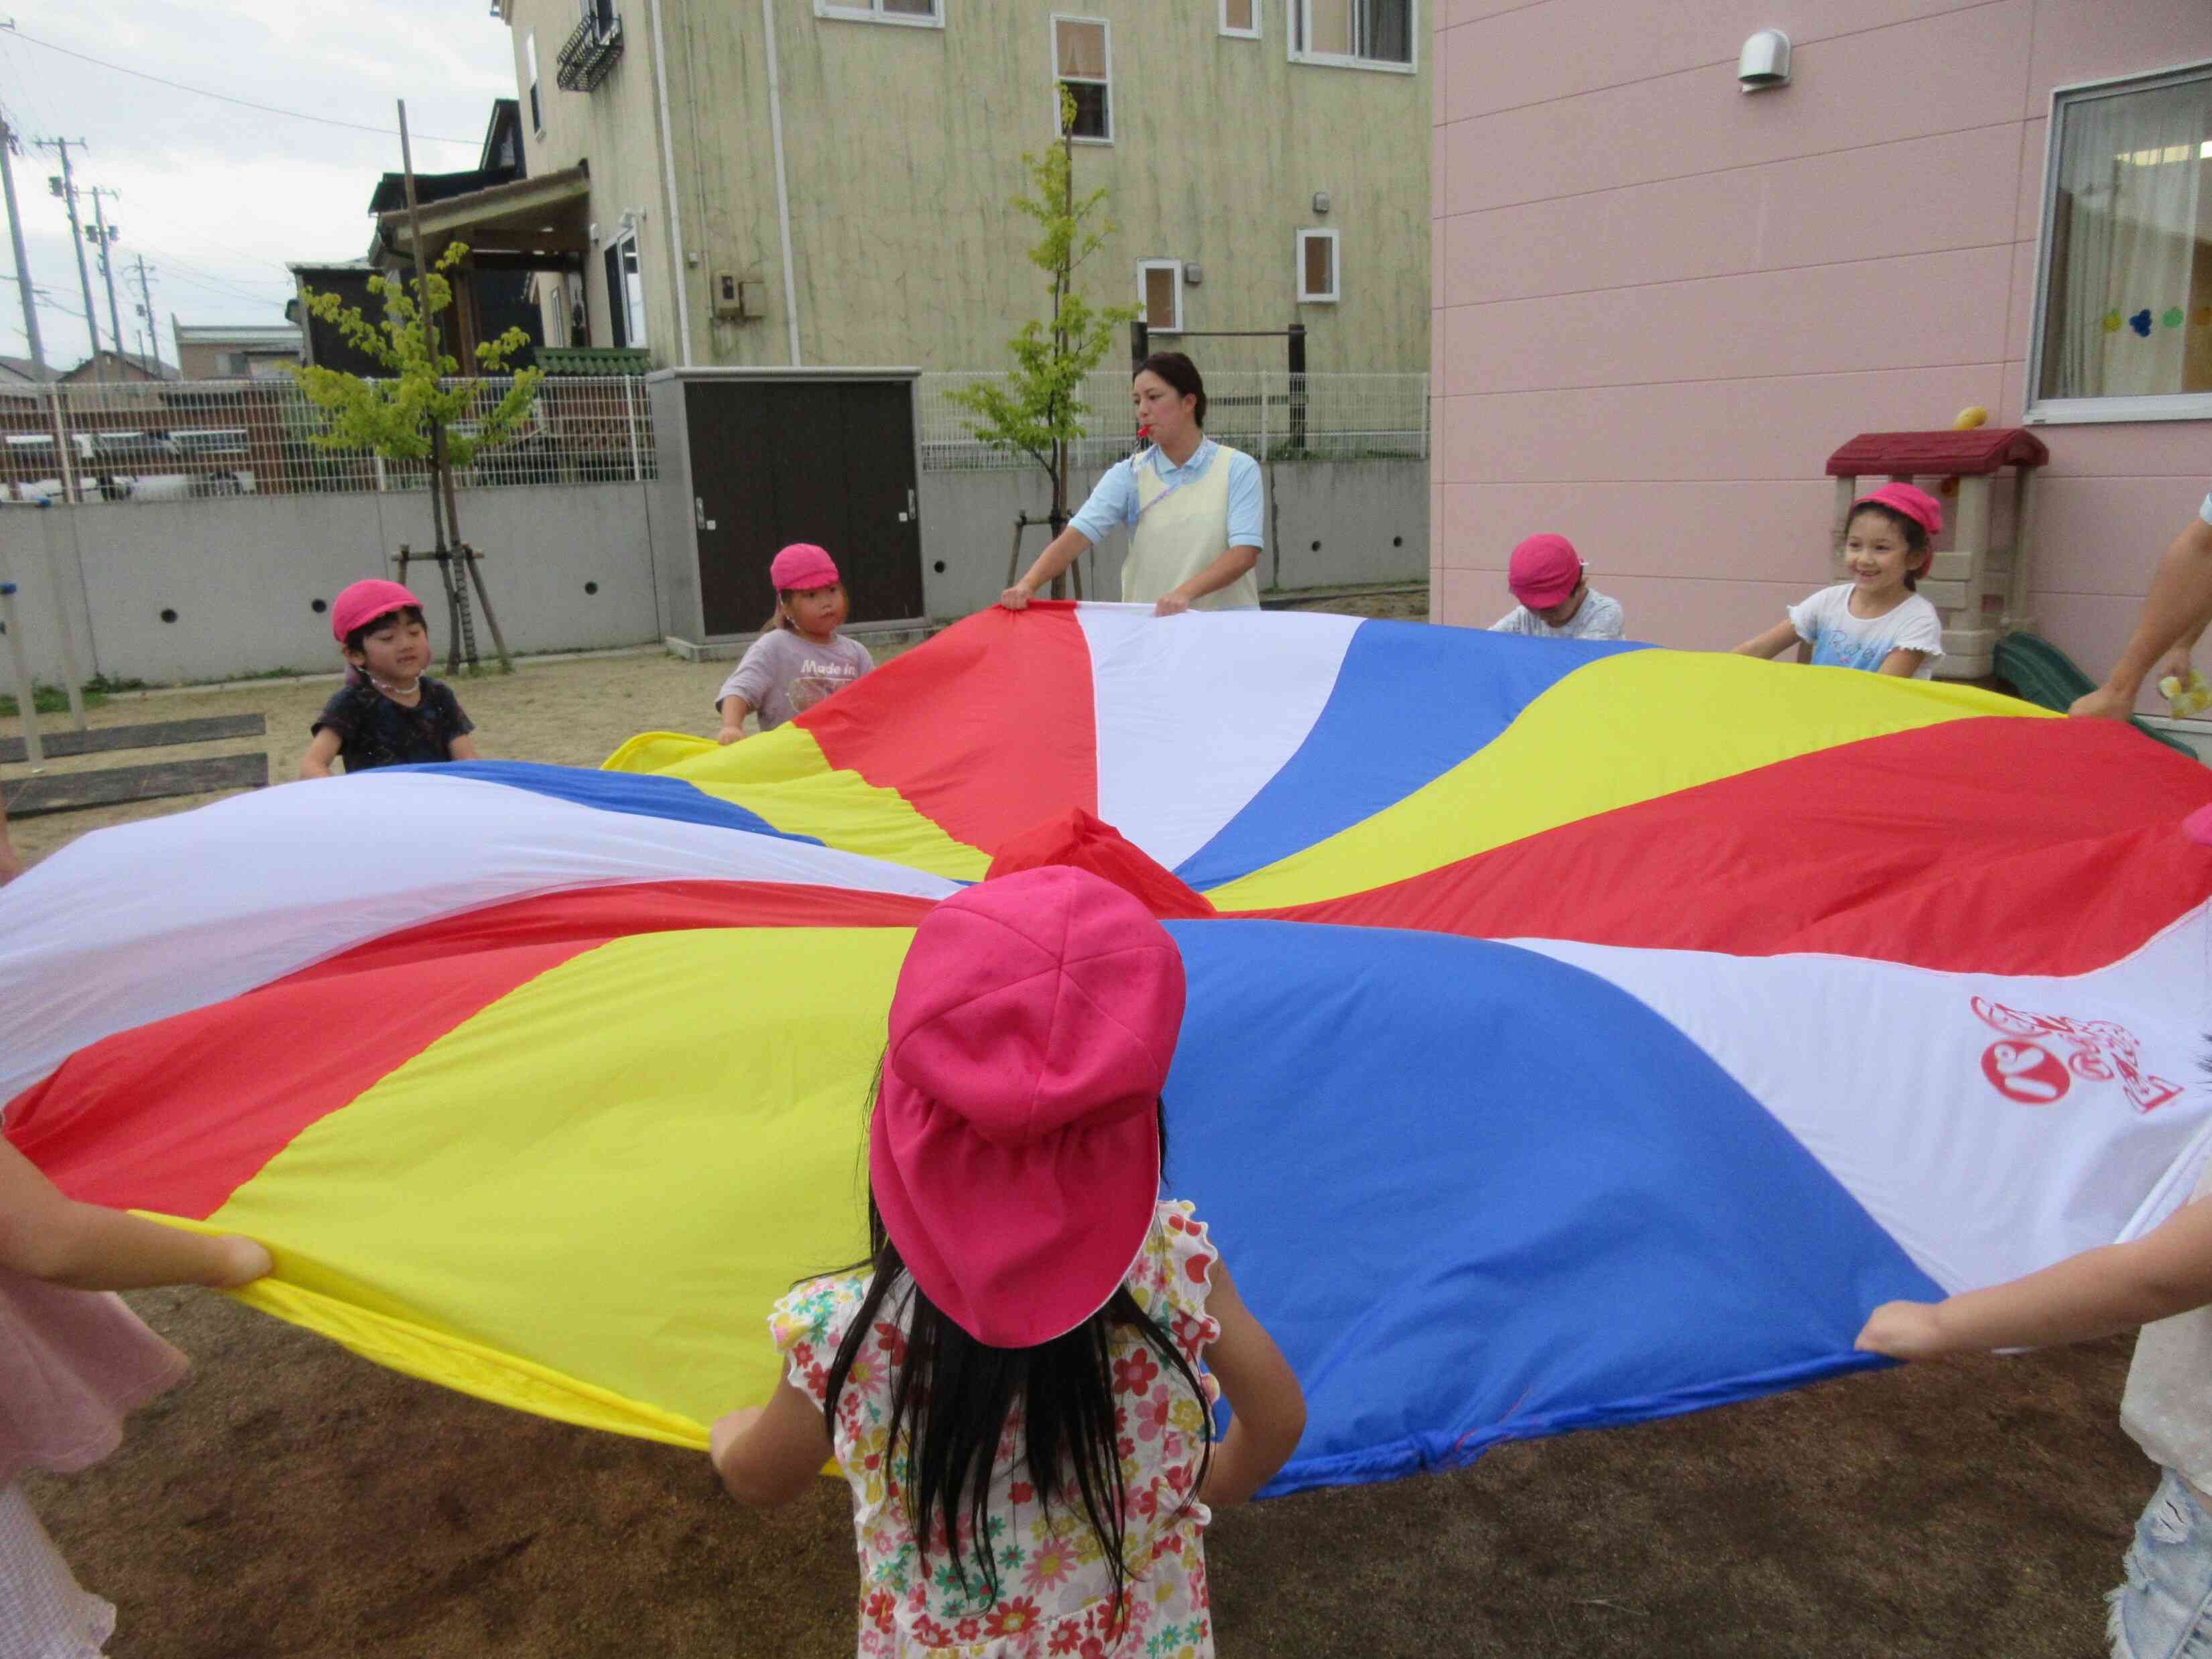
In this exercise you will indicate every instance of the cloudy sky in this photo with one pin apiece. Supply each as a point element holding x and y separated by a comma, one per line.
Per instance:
<point>214,196</point>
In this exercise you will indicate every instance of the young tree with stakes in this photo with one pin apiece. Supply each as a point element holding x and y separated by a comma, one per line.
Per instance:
<point>421,414</point>
<point>1039,410</point>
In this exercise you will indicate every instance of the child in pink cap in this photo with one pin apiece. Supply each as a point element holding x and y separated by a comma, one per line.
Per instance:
<point>1876,621</point>
<point>72,1363</point>
<point>1019,1383</point>
<point>800,658</point>
<point>390,712</point>
<point>1557,602</point>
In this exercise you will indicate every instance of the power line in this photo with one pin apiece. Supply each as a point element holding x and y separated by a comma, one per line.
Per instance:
<point>247,103</point>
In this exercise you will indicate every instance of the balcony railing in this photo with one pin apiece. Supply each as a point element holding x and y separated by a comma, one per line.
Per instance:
<point>591,53</point>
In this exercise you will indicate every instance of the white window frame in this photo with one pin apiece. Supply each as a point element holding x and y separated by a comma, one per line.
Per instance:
<point>530,60</point>
<point>1052,41</point>
<point>1336,268</point>
<point>871,11</point>
<point>637,329</point>
<point>1297,19</point>
<point>1259,8</point>
<point>2081,411</point>
<point>1143,266</point>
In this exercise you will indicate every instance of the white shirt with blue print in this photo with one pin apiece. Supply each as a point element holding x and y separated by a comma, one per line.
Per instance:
<point>1113,503</point>
<point>1839,640</point>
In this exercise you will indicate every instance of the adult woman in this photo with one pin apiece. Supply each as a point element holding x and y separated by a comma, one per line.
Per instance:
<point>1196,505</point>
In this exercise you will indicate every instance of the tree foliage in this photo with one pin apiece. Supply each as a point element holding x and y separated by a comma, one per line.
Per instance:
<point>1038,409</point>
<point>398,416</point>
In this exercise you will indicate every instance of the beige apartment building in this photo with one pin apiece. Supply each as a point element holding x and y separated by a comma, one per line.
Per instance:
<point>829,182</point>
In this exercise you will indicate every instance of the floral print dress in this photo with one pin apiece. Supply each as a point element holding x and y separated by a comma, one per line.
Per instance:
<point>1055,1589</point>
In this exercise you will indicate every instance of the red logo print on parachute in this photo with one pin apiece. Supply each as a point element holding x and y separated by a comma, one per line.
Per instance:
<point>2040,1055</point>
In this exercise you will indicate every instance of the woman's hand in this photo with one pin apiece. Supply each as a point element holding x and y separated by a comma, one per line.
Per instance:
<point>1016,597</point>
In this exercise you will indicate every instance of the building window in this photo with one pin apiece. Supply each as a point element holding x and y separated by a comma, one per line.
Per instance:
<point>530,57</point>
<point>625,292</point>
<point>1241,18</point>
<point>1317,266</point>
<point>1159,294</point>
<point>1357,33</point>
<point>1083,63</point>
<point>929,14</point>
<point>2125,329</point>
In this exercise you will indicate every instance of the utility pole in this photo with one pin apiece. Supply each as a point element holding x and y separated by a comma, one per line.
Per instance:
<point>64,186</point>
<point>146,310</point>
<point>103,236</point>
<point>22,259</point>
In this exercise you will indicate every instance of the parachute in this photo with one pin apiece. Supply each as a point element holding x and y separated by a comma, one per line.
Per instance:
<point>1577,1034</point>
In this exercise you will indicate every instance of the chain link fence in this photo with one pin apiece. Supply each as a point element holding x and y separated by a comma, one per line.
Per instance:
<point>1269,414</point>
<point>182,440</point>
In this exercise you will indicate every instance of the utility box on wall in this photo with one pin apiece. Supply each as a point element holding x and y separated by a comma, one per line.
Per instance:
<point>754,458</point>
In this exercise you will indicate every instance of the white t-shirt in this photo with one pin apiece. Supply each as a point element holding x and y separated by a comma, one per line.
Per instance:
<point>1839,640</point>
<point>2205,510</point>
<point>1599,618</point>
<point>2167,1408</point>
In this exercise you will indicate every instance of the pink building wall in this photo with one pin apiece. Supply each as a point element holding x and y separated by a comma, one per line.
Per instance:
<point>1660,303</point>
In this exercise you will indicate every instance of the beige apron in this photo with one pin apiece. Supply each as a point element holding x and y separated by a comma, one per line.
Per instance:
<point>1180,532</point>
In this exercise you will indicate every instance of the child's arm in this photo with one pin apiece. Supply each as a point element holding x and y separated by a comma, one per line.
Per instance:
<point>316,762</point>
<point>734,710</point>
<point>1268,1408</point>
<point>10,866</point>
<point>1772,643</point>
<point>2114,1288</point>
<point>88,1247</point>
<point>1902,663</point>
<point>462,747</point>
<point>768,1454</point>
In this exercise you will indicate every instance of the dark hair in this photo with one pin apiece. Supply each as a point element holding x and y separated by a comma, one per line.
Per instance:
<point>355,639</point>
<point>1179,371</point>
<point>952,1396</point>
<point>1915,533</point>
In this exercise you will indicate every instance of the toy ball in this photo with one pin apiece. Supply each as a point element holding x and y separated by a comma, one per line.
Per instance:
<point>1967,419</point>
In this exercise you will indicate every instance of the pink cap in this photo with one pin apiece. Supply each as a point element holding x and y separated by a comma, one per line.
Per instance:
<point>1917,504</point>
<point>801,566</point>
<point>1544,571</point>
<point>1015,1152</point>
<point>364,602</point>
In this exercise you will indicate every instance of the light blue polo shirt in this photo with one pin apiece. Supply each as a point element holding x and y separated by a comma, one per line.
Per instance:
<point>1113,503</point>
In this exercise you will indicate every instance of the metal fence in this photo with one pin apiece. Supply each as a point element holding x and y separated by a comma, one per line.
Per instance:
<point>1269,414</point>
<point>179,439</point>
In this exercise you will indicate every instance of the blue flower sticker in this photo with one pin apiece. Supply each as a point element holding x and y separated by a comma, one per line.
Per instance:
<point>2140,322</point>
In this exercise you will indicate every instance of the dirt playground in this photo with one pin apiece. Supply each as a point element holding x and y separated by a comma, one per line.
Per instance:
<point>290,1500</point>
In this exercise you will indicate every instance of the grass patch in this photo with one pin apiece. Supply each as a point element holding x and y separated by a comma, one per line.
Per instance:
<point>53,700</point>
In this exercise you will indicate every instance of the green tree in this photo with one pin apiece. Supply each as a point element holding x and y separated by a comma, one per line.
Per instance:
<point>421,412</point>
<point>1038,409</point>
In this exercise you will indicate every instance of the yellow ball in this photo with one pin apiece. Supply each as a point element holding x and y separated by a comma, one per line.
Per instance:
<point>1972,415</point>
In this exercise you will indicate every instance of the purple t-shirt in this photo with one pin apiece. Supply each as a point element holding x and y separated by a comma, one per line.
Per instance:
<point>784,674</point>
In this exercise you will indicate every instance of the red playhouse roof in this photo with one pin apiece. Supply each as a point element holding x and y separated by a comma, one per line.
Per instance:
<point>1982,449</point>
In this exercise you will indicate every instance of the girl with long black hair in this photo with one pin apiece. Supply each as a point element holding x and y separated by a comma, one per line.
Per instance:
<point>1019,1383</point>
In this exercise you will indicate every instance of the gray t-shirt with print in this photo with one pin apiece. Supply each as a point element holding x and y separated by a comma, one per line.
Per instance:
<point>1599,617</point>
<point>784,674</point>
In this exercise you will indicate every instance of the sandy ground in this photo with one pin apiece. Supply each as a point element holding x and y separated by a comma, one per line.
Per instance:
<point>290,1500</point>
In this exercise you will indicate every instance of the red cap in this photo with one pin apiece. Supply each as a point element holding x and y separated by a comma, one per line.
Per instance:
<point>364,602</point>
<point>1544,571</point>
<point>1015,1152</point>
<point>1916,503</point>
<point>801,566</point>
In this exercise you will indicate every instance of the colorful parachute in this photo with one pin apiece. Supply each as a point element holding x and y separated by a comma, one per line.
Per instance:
<point>1577,1035</point>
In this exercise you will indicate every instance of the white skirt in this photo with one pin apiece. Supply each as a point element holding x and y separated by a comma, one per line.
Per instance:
<point>43,1614</point>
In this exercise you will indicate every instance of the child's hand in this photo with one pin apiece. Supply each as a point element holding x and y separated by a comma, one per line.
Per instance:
<point>244,1261</point>
<point>1170,604</point>
<point>1016,597</point>
<point>729,734</point>
<point>1904,1330</point>
<point>727,1429</point>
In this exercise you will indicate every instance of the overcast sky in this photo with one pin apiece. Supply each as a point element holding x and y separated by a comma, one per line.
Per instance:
<point>215,197</point>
